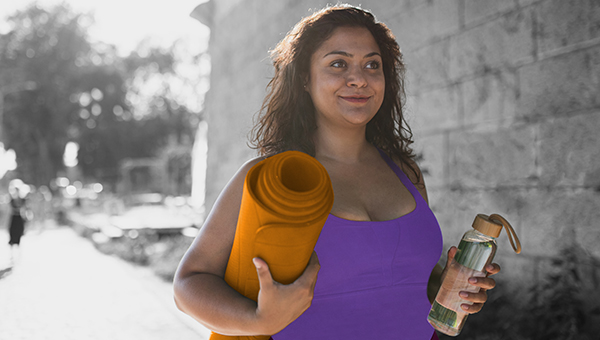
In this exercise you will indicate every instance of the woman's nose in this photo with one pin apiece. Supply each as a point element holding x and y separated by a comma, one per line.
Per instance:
<point>356,78</point>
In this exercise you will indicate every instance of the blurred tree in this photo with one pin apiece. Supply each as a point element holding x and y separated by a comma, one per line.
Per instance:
<point>128,110</point>
<point>45,47</point>
<point>113,107</point>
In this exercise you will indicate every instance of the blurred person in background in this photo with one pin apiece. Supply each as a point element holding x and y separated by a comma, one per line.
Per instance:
<point>18,216</point>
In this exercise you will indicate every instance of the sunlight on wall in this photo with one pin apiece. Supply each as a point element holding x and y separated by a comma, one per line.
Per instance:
<point>199,163</point>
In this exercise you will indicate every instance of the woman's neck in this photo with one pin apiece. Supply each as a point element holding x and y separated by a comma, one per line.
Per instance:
<point>344,146</point>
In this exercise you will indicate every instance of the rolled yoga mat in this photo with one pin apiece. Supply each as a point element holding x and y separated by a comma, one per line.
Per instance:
<point>285,203</point>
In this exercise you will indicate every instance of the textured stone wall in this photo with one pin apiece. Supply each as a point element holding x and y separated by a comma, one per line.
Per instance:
<point>503,100</point>
<point>505,108</point>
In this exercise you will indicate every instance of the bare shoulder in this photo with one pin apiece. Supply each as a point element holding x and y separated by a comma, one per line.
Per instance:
<point>240,175</point>
<point>230,198</point>
<point>231,195</point>
<point>210,250</point>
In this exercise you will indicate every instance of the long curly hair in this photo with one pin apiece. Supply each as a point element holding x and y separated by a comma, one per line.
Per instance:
<point>287,120</point>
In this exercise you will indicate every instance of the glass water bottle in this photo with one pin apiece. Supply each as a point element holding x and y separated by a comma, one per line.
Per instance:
<point>475,250</point>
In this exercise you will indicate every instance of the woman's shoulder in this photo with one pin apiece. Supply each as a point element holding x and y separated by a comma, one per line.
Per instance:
<point>231,195</point>
<point>240,175</point>
<point>409,166</point>
<point>414,174</point>
<point>251,162</point>
<point>413,171</point>
<point>244,168</point>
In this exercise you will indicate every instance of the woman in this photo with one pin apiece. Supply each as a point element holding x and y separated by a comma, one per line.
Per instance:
<point>338,95</point>
<point>16,228</point>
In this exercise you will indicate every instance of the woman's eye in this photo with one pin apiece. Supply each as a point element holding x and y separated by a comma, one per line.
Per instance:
<point>338,63</point>
<point>373,65</point>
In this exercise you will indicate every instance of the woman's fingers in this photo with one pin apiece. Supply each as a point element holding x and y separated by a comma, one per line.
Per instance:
<point>310,273</point>
<point>278,304</point>
<point>492,268</point>
<point>484,283</point>
<point>451,252</point>
<point>265,278</point>
<point>480,297</point>
<point>477,299</point>
<point>471,309</point>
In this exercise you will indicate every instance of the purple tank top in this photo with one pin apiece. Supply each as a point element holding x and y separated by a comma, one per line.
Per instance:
<point>373,278</point>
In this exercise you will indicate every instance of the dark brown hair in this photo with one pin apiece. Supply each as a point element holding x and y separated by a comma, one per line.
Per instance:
<point>287,120</point>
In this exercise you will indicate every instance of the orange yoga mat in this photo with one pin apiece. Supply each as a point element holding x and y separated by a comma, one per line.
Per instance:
<point>285,202</point>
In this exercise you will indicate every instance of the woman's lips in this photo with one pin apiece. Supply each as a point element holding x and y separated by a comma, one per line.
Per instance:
<point>356,99</point>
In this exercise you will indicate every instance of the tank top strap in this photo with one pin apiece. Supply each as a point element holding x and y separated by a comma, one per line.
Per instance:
<point>401,175</point>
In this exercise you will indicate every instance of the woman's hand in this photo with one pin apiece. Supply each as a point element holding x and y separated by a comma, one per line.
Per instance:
<point>484,283</point>
<point>278,304</point>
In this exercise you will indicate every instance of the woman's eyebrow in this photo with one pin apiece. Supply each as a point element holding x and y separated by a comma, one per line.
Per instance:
<point>346,54</point>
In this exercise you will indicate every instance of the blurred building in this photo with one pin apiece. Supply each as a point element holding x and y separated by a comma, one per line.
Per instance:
<point>169,173</point>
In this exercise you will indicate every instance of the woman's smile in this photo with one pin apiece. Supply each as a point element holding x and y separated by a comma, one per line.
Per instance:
<point>356,99</point>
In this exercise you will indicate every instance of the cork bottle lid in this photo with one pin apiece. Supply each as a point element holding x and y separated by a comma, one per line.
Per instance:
<point>483,225</point>
<point>492,226</point>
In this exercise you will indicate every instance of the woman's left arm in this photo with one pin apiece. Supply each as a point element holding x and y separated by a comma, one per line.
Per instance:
<point>438,273</point>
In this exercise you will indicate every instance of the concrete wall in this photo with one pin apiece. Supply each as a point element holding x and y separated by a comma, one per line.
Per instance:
<point>503,99</point>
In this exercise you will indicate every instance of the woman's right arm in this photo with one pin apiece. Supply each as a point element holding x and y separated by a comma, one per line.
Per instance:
<point>201,292</point>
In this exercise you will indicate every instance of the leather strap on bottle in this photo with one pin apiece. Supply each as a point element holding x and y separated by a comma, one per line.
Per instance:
<point>509,230</point>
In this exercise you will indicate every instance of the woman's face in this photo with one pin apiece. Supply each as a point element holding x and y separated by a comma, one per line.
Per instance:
<point>346,80</point>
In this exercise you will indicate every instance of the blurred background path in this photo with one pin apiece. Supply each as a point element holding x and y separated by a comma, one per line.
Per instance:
<point>61,287</point>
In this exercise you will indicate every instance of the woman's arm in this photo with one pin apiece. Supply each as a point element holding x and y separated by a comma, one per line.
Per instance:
<point>438,273</point>
<point>201,292</point>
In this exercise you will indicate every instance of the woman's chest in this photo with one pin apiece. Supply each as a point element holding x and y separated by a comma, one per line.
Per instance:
<point>370,196</point>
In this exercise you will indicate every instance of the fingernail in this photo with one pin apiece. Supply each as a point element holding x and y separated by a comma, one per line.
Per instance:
<point>473,280</point>
<point>465,307</point>
<point>256,263</point>
<point>489,267</point>
<point>464,294</point>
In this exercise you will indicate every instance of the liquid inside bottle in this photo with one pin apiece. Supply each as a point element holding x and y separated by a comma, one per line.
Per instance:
<point>472,255</point>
